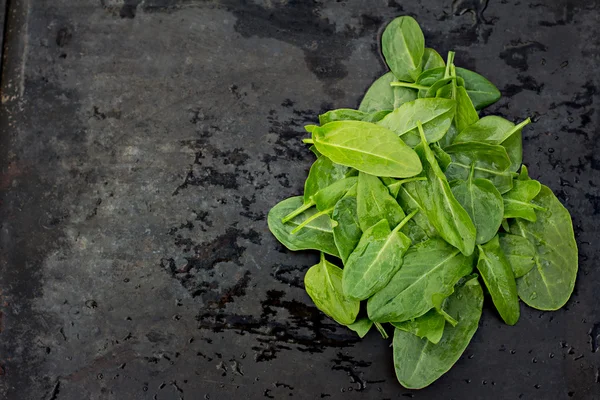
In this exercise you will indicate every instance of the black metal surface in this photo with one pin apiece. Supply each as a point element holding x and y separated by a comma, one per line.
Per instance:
<point>143,143</point>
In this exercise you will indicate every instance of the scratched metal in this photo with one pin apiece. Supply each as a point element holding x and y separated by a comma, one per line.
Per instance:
<point>143,143</point>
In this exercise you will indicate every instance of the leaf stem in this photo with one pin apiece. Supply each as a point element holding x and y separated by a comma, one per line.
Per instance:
<point>298,211</point>
<point>308,141</point>
<point>449,62</point>
<point>536,207</point>
<point>405,220</point>
<point>472,172</point>
<point>448,317</point>
<point>453,83</point>
<point>422,133</point>
<point>409,85</point>
<point>516,128</point>
<point>381,330</point>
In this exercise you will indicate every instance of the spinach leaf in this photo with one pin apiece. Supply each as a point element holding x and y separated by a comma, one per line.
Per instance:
<point>426,81</point>
<point>435,115</point>
<point>382,96</point>
<point>441,156</point>
<point>482,201</point>
<point>524,173</point>
<point>435,198</point>
<point>362,326</point>
<point>465,112</point>
<point>407,198</point>
<point>449,136</point>
<point>517,202</point>
<point>432,59</point>
<point>317,235</point>
<point>497,130</point>
<point>418,362</point>
<point>322,173</point>
<point>430,326</point>
<point>376,258</point>
<point>403,46</point>
<point>348,114</point>
<point>375,203</point>
<point>325,199</point>
<point>315,151</point>
<point>549,285</point>
<point>481,91</point>
<point>519,252</point>
<point>429,272</point>
<point>394,184</point>
<point>491,162</point>
<point>341,114</point>
<point>499,279</point>
<point>347,232</point>
<point>367,147</point>
<point>376,116</point>
<point>323,283</point>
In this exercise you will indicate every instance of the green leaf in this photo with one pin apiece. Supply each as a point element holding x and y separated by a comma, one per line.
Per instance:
<point>427,79</point>
<point>342,114</point>
<point>482,201</point>
<point>436,200</point>
<point>348,114</point>
<point>432,59</point>
<point>382,96</point>
<point>367,147</point>
<point>435,115</point>
<point>549,285</point>
<point>393,185</point>
<point>347,232</point>
<point>315,151</point>
<point>418,362</point>
<point>497,130</point>
<point>376,116</point>
<point>362,326</point>
<point>466,114</point>
<point>375,203</point>
<point>441,156</point>
<point>499,279</point>
<point>481,91</point>
<point>327,197</point>
<point>403,46</point>
<point>517,202</point>
<point>524,174</point>
<point>449,136</point>
<point>317,235</point>
<point>429,272</point>
<point>491,162</point>
<point>407,198</point>
<point>433,89</point>
<point>519,252</point>
<point>430,326</point>
<point>376,258</point>
<point>323,283</point>
<point>322,173</point>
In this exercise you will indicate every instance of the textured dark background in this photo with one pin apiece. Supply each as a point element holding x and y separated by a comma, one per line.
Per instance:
<point>143,142</point>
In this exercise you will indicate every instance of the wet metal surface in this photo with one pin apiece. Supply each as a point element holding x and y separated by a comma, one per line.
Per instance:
<point>143,142</point>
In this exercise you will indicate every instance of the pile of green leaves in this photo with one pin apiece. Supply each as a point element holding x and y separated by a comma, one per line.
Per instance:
<point>419,203</point>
